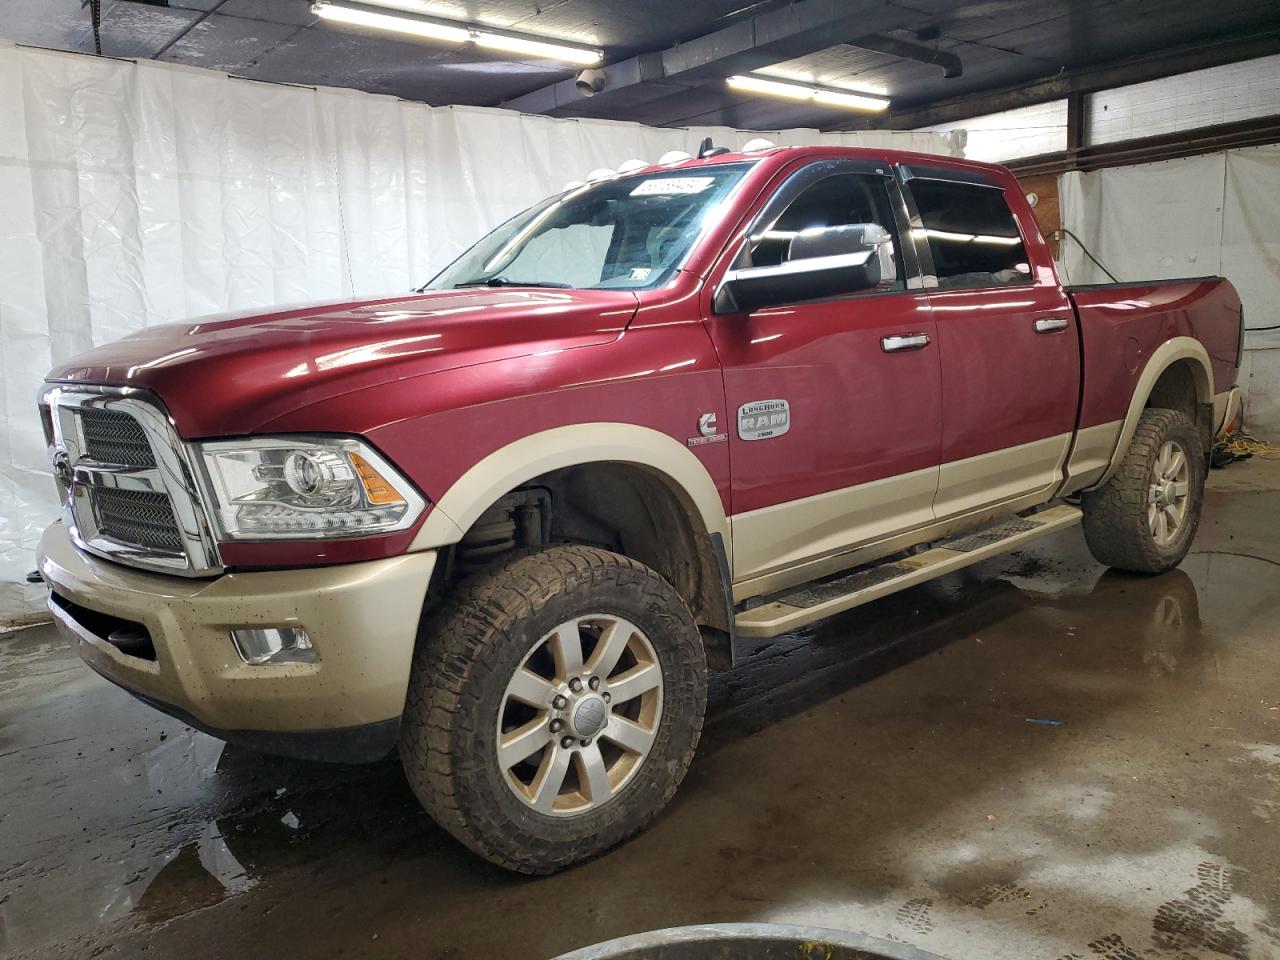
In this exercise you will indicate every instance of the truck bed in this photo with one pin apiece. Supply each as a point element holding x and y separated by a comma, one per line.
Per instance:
<point>1122,324</point>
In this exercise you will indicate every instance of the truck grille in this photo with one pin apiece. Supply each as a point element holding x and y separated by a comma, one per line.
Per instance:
<point>137,517</point>
<point>127,487</point>
<point>112,436</point>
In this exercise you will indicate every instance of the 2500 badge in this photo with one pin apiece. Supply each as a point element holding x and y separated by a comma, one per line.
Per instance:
<point>764,419</point>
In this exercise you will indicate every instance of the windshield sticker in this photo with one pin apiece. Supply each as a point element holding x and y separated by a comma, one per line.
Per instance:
<point>641,273</point>
<point>672,186</point>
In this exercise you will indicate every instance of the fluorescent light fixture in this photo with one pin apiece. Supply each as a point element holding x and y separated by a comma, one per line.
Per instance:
<point>359,17</point>
<point>858,101</point>
<point>797,91</point>
<point>774,88</point>
<point>362,16</point>
<point>536,48</point>
<point>971,237</point>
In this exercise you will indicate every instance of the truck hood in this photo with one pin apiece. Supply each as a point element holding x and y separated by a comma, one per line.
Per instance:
<point>250,368</point>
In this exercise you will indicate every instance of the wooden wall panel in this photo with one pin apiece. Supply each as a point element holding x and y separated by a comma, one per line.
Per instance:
<point>1048,216</point>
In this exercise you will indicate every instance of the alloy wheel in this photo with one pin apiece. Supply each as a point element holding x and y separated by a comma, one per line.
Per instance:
<point>1168,493</point>
<point>580,715</point>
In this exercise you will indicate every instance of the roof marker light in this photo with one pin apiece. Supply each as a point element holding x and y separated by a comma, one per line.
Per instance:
<point>600,173</point>
<point>757,145</point>
<point>672,157</point>
<point>631,166</point>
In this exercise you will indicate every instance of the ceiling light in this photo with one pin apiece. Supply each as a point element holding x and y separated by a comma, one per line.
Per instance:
<point>362,16</point>
<point>796,91</point>
<point>792,91</point>
<point>858,101</point>
<point>536,48</point>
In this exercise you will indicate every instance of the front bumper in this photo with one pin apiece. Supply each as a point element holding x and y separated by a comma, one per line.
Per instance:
<point>362,619</point>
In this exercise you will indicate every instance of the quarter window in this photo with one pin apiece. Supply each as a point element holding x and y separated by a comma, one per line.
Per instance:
<point>973,237</point>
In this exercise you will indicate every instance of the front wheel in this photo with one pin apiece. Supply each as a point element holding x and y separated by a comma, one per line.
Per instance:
<point>554,705</point>
<point>1144,518</point>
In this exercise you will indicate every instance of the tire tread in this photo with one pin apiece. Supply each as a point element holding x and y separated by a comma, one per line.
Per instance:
<point>449,665</point>
<point>1115,514</point>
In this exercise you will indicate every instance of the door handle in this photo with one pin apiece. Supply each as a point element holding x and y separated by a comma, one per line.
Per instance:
<point>905,341</point>
<point>1051,324</point>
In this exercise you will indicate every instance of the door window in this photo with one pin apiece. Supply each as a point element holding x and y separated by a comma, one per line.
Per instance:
<point>843,199</point>
<point>972,235</point>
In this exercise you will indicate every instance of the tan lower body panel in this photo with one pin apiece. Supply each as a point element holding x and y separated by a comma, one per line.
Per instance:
<point>780,546</point>
<point>778,537</point>
<point>1029,469</point>
<point>806,606</point>
<point>1091,455</point>
<point>362,619</point>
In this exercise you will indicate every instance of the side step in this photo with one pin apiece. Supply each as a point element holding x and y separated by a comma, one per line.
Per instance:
<point>815,601</point>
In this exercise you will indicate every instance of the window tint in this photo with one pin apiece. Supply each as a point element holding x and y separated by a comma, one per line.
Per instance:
<point>839,200</point>
<point>972,235</point>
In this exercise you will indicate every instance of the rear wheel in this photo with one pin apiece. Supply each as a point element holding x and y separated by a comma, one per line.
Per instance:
<point>1144,518</point>
<point>554,705</point>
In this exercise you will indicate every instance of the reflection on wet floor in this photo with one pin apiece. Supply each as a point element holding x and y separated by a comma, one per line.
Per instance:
<point>1031,758</point>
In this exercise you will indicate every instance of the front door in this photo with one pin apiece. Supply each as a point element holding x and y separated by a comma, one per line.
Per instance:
<point>834,405</point>
<point>1007,341</point>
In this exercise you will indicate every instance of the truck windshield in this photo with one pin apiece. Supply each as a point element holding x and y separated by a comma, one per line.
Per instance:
<point>626,233</point>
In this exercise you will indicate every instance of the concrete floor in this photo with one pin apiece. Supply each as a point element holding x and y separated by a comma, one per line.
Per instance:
<point>1036,758</point>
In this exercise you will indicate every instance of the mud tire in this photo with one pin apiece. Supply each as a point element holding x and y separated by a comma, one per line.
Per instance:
<point>467,651</point>
<point>1115,515</point>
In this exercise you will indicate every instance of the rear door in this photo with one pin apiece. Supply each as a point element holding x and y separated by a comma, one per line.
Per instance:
<point>1008,342</point>
<point>834,424</point>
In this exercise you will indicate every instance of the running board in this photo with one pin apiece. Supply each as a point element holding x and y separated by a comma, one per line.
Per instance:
<point>816,601</point>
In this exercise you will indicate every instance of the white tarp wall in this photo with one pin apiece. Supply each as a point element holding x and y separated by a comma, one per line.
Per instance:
<point>1213,214</point>
<point>140,193</point>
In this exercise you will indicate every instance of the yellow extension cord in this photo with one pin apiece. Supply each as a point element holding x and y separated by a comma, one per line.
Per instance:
<point>1241,444</point>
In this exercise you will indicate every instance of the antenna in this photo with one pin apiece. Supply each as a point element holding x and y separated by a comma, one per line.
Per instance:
<point>707,149</point>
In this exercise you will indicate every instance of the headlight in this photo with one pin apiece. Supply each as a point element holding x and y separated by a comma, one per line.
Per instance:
<point>303,488</point>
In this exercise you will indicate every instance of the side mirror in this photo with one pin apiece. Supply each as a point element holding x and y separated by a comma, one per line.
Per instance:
<point>821,262</point>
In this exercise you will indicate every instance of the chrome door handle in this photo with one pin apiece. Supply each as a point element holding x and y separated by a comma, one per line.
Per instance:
<point>1051,324</point>
<point>905,341</point>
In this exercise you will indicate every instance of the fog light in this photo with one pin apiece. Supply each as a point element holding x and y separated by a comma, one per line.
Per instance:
<point>259,645</point>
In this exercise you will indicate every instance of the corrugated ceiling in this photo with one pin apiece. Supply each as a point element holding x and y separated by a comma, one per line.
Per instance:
<point>1000,42</point>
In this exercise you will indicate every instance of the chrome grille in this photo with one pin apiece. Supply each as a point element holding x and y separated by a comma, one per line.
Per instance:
<point>112,436</point>
<point>127,485</point>
<point>137,517</point>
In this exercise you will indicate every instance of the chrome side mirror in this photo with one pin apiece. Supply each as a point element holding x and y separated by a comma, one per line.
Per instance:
<point>820,262</point>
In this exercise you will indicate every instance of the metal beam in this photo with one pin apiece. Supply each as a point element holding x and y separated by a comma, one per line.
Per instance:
<point>1167,62</point>
<point>906,50</point>
<point>767,38</point>
<point>1165,146</point>
<point>1077,120</point>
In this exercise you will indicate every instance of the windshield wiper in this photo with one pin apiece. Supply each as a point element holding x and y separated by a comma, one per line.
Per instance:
<point>508,282</point>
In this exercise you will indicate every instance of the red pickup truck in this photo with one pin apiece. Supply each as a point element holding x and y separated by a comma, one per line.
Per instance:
<point>508,522</point>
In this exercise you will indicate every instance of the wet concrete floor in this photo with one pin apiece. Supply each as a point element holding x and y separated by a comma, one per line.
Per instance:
<point>1035,758</point>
